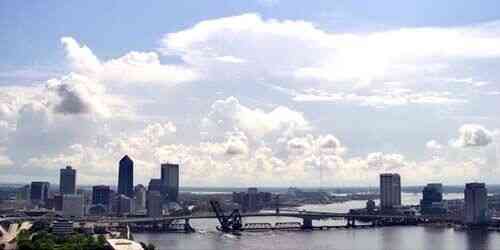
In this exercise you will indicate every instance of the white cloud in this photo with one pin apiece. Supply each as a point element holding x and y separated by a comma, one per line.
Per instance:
<point>81,58</point>
<point>229,114</point>
<point>379,97</point>
<point>298,49</point>
<point>80,119</point>
<point>473,135</point>
<point>433,145</point>
<point>236,144</point>
<point>133,67</point>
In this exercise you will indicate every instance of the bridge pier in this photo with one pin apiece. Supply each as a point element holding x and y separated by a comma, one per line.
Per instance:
<point>351,222</point>
<point>187,227</point>
<point>307,223</point>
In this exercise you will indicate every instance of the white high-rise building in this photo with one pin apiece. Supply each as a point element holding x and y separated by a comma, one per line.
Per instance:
<point>390,191</point>
<point>140,199</point>
<point>476,203</point>
<point>72,205</point>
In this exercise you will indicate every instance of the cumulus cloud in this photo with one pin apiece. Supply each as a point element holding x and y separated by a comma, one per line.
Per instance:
<point>309,144</point>
<point>77,94</point>
<point>237,144</point>
<point>300,50</point>
<point>76,118</point>
<point>229,114</point>
<point>473,135</point>
<point>134,67</point>
<point>82,60</point>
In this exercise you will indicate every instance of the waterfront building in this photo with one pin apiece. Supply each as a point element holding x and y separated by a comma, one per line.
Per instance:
<point>252,200</point>
<point>101,194</point>
<point>432,199</point>
<point>126,177</point>
<point>476,204</point>
<point>154,204</point>
<point>390,191</point>
<point>140,199</point>
<point>170,180</point>
<point>67,180</point>
<point>62,227</point>
<point>39,192</point>
<point>72,205</point>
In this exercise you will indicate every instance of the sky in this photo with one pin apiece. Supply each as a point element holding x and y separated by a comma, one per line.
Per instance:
<point>251,92</point>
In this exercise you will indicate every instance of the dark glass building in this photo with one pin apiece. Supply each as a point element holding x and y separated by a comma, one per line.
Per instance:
<point>170,179</point>
<point>126,177</point>
<point>432,199</point>
<point>101,195</point>
<point>39,192</point>
<point>67,181</point>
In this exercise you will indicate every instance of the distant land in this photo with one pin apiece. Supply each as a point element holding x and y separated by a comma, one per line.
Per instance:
<point>493,188</point>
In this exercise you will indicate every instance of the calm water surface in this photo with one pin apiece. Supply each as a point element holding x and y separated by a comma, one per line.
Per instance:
<point>388,238</point>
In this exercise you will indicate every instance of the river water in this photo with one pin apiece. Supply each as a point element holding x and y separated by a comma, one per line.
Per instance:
<point>386,238</point>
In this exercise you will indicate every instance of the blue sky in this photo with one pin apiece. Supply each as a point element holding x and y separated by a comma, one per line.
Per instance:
<point>269,90</point>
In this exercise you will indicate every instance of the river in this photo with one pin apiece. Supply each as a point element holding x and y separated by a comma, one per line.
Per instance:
<point>385,238</point>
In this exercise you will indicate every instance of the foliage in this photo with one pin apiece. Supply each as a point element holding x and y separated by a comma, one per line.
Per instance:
<point>45,241</point>
<point>148,246</point>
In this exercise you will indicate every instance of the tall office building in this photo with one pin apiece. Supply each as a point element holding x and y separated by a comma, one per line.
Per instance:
<point>476,204</point>
<point>101,195</point>
<point>170,179</point>
<point>126,177</point>
<point>39,192</point>
<point>140,198</point>
<point>432,199</point>
<point>390,191</point>
<point>67,181</point>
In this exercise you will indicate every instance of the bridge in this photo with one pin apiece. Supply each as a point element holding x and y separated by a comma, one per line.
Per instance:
<point>306,217</point>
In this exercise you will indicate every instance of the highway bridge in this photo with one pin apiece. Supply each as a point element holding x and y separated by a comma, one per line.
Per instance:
<point>307,218</point>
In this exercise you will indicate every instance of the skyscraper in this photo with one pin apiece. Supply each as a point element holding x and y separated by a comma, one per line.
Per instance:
<point>126,177</point>
<point>432,199</point>
<point>39,192</point>
<point>67,180</point>
<point>390,191</point>
<point>170,179</point>
<point>476,204</point>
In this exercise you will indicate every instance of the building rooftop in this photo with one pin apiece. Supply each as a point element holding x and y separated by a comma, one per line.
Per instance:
<point>123,244</point>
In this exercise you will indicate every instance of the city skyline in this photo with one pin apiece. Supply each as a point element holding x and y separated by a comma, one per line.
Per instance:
<point>253,89</point>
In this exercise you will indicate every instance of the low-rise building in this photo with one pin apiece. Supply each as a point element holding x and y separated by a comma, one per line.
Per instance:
<point>72,206</point>
<point>62,227</point>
